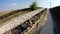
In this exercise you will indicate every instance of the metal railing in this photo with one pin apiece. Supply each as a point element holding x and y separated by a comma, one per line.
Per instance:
<point>13,23</point>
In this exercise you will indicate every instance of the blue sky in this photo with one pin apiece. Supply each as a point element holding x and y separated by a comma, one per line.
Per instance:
<point>19,4</point>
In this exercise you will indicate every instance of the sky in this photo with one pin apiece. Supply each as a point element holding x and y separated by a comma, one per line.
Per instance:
<point>20,4</point>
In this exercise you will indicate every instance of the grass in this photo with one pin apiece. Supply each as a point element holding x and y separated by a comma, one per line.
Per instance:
<point>3,13</point>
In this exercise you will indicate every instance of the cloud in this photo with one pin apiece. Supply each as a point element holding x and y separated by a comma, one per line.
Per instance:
<point>13,4</point>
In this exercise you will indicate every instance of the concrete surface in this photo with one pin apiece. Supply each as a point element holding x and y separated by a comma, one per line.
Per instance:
<point>48,27</point>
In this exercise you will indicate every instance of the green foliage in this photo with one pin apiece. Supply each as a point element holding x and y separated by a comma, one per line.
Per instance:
<point>33,6</point>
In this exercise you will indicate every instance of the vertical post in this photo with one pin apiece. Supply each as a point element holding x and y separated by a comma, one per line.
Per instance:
<point>30,22</point>
<point>50,4</point>
<point>37,26</point>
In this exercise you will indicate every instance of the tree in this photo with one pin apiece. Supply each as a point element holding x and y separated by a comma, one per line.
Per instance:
<point>33,6</point>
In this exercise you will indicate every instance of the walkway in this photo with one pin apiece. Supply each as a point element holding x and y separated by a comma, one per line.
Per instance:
<point>48,27</point>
